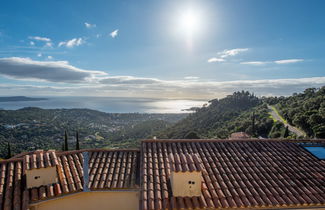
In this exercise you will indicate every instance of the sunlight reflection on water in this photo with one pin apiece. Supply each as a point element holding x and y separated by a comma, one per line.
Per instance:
<point>109,104</point>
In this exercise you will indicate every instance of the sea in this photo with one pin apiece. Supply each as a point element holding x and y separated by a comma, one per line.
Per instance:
<point>110,104</point>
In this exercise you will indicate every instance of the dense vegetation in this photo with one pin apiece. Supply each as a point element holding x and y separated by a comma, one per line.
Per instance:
<point>241,111</point>
<point>34,128</point>
<point>304,110</point>
<point>244,112</point>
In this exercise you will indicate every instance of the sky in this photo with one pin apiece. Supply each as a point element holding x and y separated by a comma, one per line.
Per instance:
<point>183,49</point>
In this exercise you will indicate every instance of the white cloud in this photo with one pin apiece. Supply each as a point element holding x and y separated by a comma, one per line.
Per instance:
<point>128,86</point>
<point>49,57</point>
<point>114,33</point>
<point>32,43</point>
<point>39,55</point>
<point>255,63</point>
<point>232,52</point>
<point>48,44</point>
<point>288,61</point>
<point>191,78</point>
<point>89,25</point>
<point>72,43</point>
<point>211,60</point>
<point>226,53</point>
<point>98,83</point>
<point>52,71</point>
<point>98,35</point>
<point>38,38</point>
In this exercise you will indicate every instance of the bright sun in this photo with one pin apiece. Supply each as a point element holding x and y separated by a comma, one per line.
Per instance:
<point>189,22</point>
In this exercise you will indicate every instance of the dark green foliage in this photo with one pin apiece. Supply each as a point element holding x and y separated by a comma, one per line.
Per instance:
<point>66,146</point>
<point>77,141</point>
<point>305,110</point>
<point>211,121</point>
<point>253,125</point>
<point>191,135</point>
<point>9,155</point>
<point>29,129</point>
<point>286,132</point>
<point>277,130</point>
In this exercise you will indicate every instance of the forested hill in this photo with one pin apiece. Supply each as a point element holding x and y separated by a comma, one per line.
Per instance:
<point>304,110</point>
<point>29,129</point>
<point>208,120</point>
<point>242,111</point>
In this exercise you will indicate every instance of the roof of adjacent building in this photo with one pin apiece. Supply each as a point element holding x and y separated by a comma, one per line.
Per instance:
<point>239,135</point>
<point>236,174</point>
<point>108,170</point>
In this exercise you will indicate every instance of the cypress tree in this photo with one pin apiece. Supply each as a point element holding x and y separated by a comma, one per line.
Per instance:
<point>253,125</point>
<point>66,147</point>
<point>286,132</point>
<point>9,155</point>
<point>77,141</point>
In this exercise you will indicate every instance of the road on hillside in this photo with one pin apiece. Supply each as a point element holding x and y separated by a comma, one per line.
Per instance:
<point>291,128</point>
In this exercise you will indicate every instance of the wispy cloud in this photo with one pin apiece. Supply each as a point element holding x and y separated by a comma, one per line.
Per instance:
<point>48,44</point>
<point>232,52</point>
<point>89,25</point>
<point>288,61</point>
<point>38,38</point>
<point>114,33</point>
<point>32,43</point>
<point>225,54</point>
<point>211,60</point>
<point>257,63</point>
<point>50,57</point>
<point>72,43</point>
<point>52,71</point>
<point>39,55</point>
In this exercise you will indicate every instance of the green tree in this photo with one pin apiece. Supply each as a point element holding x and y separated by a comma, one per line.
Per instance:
<point>253,125</point>
<point>191,135</point>
<point>286,132</point>
<point>77,141</point>
<point>9,155</point>
<point>66,147</point>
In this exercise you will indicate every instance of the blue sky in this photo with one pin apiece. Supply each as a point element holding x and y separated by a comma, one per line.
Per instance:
<point>198,49</point>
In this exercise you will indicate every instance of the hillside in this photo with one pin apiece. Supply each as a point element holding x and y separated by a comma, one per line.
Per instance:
<point>242,111</point>
<point>304,110</point>
<point>34,128</point>
<point>222,117</point>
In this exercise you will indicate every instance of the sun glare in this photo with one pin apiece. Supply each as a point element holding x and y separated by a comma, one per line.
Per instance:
<point>189,22</point>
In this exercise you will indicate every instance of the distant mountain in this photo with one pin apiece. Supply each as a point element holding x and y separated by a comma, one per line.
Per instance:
<point>19,98</point>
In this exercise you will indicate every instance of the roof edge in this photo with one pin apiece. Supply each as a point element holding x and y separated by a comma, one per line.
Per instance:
<point>235,140</point>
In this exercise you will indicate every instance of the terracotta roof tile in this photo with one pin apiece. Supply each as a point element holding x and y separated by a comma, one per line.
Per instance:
<point>236,174</point>
<point>121,164</point>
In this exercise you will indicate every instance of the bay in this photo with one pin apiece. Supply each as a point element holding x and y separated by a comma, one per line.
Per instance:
<point>109,104</point>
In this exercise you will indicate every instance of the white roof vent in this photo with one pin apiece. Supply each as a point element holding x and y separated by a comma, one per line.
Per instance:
<point>41,169</point>
<point>186,175</point>
<point>186,184</point>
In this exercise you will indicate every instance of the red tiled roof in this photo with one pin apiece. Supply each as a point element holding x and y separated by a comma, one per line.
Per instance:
<point>239,135</point>
<point>236,174</point>
<point>108,170</point>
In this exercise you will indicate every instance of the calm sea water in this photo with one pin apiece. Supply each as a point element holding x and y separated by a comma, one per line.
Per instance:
<point>109,104</point>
